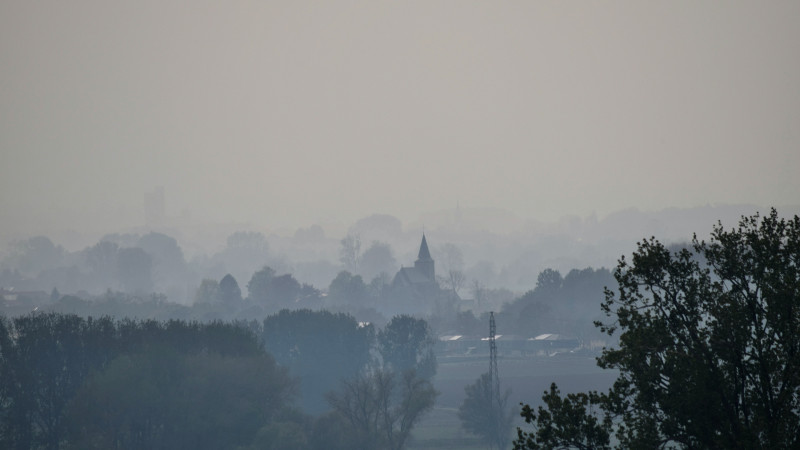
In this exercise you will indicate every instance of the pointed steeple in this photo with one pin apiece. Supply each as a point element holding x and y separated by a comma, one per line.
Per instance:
<point>424,263</point>
<point>424,253</point>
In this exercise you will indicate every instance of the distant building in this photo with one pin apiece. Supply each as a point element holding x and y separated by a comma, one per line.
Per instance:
<point>420,280</point>
<point>414,290</point>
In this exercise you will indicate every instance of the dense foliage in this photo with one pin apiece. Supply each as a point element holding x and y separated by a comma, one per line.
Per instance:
<point>407,343</point>
<point>69,382</point>
<point>320,348</point>
<point>709,350</point>
<point>558,304</point>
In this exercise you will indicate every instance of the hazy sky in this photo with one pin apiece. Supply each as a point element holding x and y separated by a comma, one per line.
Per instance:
<point>294,112</point>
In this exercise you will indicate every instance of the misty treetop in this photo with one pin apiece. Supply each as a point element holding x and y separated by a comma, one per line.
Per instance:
<point>566,305</point>
<point>151,269</point>
<point>407,343</point>
<point>137,266</point>
<point>131,263</point>
<point>180,259</point>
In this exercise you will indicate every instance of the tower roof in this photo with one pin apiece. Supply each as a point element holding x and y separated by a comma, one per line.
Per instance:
<point>424,253</point>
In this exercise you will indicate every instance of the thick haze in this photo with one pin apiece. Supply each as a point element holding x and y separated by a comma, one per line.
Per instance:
<point>285,114</point>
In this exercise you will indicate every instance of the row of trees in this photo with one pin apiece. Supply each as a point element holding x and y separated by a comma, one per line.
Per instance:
<point>137,264</point>
<point>559,304</point>
<point>709,349</point>
<point>130,263</point>
<point>154,263</point>
<point>70,382</point>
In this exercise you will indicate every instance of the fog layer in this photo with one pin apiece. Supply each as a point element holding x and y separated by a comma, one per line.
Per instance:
<point>283,114</point>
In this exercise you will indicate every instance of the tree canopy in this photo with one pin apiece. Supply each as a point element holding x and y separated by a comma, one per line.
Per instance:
<point>407,343</point>
<point>320,348</point>
<point>709,349</point>
<point>70,382</point>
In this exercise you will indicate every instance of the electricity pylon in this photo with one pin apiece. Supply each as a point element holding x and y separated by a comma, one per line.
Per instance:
<point>494,378</point>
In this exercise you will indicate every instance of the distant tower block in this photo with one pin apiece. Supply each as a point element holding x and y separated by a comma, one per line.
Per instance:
<point>154,207</point>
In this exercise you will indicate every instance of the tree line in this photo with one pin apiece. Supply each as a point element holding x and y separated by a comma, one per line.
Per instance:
<point>73,382</point>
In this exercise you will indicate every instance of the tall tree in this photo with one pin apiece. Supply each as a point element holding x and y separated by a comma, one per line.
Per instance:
<point>319,347</point>
<point>709,353</point>
<point>47,366</point>
<point>286,290</point>
<point>381,407</point>
<point>406,343</point>
<point>276,292</point>
<point>548,283</point>
<point>229,291</point>
<point>258,288</point>
<point>347,289</point>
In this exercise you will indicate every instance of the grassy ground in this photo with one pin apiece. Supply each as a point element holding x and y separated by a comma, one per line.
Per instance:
<point>527,378</point>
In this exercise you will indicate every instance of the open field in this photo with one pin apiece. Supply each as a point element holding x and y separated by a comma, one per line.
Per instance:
<point>527,377</point>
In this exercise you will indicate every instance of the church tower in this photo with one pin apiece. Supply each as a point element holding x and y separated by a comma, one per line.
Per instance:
<point>424,262</point>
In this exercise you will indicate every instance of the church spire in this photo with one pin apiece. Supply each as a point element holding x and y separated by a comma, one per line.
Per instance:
<point>424,253</point>
<point>424,262</point>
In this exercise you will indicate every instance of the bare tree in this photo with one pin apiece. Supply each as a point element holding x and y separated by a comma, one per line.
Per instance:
<point>382,408</point>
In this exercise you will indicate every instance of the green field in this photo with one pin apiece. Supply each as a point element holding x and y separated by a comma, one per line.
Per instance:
<point>527,378</point>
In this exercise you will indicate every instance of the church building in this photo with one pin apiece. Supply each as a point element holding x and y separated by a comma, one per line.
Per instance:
<point>418,281</point>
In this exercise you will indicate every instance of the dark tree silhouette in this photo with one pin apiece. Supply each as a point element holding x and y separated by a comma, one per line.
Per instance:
<point>406,343</point>
<point>229,291</point>
<point>709,349</point>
